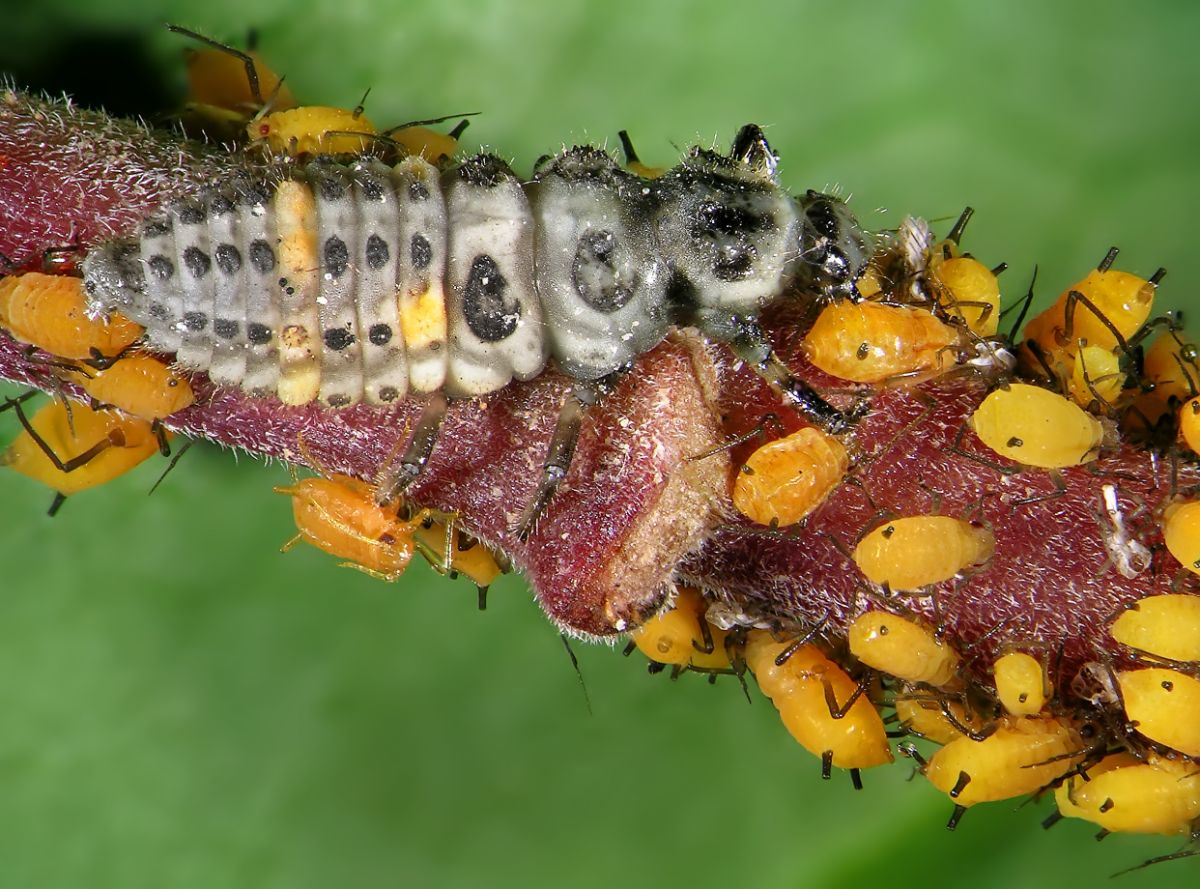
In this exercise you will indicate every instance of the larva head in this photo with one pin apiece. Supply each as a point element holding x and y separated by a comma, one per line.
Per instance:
<point>833,248</point>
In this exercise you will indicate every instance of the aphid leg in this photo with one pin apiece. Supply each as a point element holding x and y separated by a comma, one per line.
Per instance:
<point>114,438</point>
<point>1060,489</point>
<point>957,448</point>
<point>415,458</point>
<point>754,350</point>
<point>982,735</point>
<point>251,71</point>
<point>1174,856</point>
<point>796,645</point>
<point>839,711</point>
<point>1025,302</point>
<point>560,452</point>
<point>60,260</point>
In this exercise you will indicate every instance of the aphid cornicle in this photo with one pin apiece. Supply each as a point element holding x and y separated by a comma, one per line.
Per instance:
<point>342,284</point>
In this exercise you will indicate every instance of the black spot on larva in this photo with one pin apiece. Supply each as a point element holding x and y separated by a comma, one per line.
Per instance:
<point>484,171</point>
<point>195,321</point>
<point>262,257</point>
<point>372,188</point>
<point>417,191</point>
<point>389,393</point>
<point>220,205</point>
<point>338,338</point>
<point>225,328</point>
<point>331,187</point>
<point>254,195</point>
<point>735,262</point>
<point>156,228</point>
<point>820,214</point>
<point>159,312</point>
<point>378,253</point>
<point>339,400</point>
<point>422,252</point>
<point>191,214</point>
<point>713,217</point>
<point>197,261</point>
<point>229,258</point>
<point>161,267</point>
<point>595,275</point>
<point>488,314</point>
<point>380,334</point>
<point>258,334</point>
<point>337,256</point>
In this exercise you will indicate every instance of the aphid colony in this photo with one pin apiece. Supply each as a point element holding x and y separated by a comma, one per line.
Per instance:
<point>1016,736</point>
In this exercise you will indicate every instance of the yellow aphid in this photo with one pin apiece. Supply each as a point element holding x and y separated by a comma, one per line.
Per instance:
<point>902,648</point>
<point>1189,424</point>
<point>340,516</point>
<point>1020,683</point>
<point>424,142</point>
<point>916,551</point>
<point>1164,705</point>
<point>965,288</point>
<point>217,78</point>
<point>467,557</point>
<point>1181,533</point>
<point>922,716</point>
<point>1037,427</point>
<point>678,636</point>
<point>633,163</point>
<point>94,447</point>
<point>313,129</point>
<point>139,384</point>
<point>786,479</point>
<point>1170,365</point>
<point>870,342</point>
<point>1122,298</point>
<point>798,689</point>
<point>1022,756</point>
<point>1166,626</point>
<point>1100,368</point>
<point>1124,795</point>
<point>50,312</point>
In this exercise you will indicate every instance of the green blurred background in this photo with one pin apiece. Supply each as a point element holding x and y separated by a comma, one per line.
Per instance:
<point>182,706</point>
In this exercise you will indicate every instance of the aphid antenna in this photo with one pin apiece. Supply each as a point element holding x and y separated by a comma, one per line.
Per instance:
<point>587,700</point>
<point>178,456</point>
<point>113,438</point>
<point>731,443</point>
<point>1174,856</point>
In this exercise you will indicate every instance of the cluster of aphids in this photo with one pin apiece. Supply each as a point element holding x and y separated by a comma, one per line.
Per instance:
<point>1128,758</point>
<point>362,282</point>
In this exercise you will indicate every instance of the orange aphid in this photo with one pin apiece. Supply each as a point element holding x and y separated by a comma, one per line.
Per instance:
<point>94,447</point>
<point>682,636</point>
<point>786,479</point>
<point>1022,756</point>
<point>339,515</point>
<point>870,342</point>
<point>858,740</point>
<point>50,312</point>
<point>139,384</point>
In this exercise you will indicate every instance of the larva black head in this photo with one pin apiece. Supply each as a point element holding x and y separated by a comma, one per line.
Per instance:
<point>833,247</point>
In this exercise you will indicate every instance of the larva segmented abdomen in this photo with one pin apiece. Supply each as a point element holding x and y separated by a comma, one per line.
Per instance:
<point>345,284</point>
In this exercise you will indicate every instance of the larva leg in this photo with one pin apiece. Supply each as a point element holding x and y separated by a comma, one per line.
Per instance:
<point>416,456</point>
<point>752,349</point>
<point>559,454</point>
